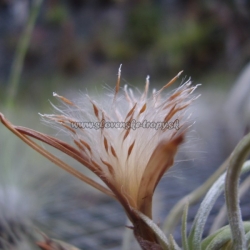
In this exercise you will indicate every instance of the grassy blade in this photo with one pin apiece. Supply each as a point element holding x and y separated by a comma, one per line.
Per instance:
<point>184,228</point>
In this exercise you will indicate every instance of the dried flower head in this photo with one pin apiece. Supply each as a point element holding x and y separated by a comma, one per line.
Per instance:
<point>128,141</point>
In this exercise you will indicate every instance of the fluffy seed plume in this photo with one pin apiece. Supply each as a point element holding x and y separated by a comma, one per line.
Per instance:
<point>128,140</point>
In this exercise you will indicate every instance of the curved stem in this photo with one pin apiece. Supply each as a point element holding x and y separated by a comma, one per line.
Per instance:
<point>237,159</point>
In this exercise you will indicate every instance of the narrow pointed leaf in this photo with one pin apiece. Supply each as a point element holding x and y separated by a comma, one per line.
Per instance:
<point>184,228</point>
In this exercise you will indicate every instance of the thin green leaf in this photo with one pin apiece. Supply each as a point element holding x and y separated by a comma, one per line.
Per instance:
<point>184,228</point>
<point>203,212</point>
<point>210,238</point>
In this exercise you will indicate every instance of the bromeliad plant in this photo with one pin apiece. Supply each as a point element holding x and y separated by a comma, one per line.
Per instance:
<point>131,158</point>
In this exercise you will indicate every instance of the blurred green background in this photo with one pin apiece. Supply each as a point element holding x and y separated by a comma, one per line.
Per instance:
<point>81,43</point>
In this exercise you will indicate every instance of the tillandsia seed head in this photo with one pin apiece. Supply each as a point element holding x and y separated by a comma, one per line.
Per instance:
<point>128,140</point>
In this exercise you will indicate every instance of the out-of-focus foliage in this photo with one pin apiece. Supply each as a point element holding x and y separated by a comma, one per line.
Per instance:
<point>74,37</point>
